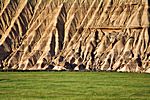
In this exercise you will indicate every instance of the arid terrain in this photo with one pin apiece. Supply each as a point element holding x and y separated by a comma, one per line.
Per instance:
<point>110,35</point>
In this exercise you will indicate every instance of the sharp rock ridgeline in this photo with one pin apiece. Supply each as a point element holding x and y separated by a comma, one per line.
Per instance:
<point>111,35</point>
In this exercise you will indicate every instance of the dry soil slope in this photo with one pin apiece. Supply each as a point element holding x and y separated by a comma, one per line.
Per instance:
<point>75,35</point>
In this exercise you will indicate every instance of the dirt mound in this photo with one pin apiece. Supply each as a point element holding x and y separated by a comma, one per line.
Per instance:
<point>75,35</point>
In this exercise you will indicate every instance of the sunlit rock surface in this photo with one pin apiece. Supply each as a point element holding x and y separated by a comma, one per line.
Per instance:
<point>111,35</point>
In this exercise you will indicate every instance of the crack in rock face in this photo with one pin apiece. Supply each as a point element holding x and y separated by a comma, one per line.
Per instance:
<point>109,35</point>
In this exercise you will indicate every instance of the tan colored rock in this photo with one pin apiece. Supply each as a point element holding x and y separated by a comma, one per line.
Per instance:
<point>75,35</point>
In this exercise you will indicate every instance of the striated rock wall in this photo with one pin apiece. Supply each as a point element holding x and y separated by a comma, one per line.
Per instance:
<point>75,35</point>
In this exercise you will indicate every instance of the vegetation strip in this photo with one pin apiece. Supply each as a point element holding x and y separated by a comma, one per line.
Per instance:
<point>74,86</point>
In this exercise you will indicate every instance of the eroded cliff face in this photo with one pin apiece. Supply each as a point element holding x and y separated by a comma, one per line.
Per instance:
<point>75,35</point>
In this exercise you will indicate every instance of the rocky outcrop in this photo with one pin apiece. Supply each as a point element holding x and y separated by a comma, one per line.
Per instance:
<point>111,35</point>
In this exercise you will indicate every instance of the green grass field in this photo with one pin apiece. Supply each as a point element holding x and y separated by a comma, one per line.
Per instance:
<point>74,86</point>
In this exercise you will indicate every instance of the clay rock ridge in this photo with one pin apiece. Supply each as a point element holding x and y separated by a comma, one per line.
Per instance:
<point>109,35</point>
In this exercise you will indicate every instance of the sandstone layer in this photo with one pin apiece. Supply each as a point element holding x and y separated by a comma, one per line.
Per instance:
<point>110,35</point>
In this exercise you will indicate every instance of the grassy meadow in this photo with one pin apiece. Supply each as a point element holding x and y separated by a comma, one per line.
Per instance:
<point>74,86</point>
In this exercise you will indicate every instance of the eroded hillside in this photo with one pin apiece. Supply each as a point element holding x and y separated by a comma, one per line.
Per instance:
<point>75,35</point>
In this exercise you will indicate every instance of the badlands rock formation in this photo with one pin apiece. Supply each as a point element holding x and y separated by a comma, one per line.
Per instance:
<point>111,35</point>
